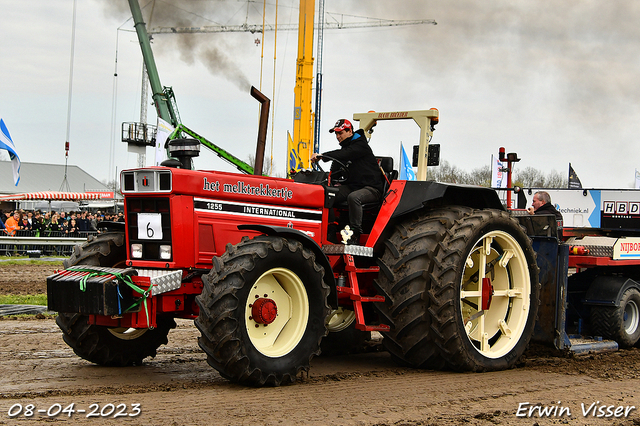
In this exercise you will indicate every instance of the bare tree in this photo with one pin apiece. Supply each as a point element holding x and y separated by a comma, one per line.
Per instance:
<point>528,177</point>
<point>267,165</point>
<point>112,184</point>
<point>534,178</point>
<point>480,176</point>
<point>446,172</point>
<point>556,180</point>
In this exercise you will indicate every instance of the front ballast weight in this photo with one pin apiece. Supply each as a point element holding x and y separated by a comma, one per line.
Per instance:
<point>114,292</point>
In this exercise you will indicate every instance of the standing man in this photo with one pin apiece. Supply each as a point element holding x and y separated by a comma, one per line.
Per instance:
<point>13,223</point>
<point>37,223</point>
<point>365,182</point>
<point>542,205</point>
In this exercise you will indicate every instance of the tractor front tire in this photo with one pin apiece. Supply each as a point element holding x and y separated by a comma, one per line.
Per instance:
<point>106,249</point>
<point>262,311</point>
<point>484,293</point>
<point>108,345</point>
<point>406,267</point>
<point>620,323</point>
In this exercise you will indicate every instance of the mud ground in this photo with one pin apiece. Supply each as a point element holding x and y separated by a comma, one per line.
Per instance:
<point>26,278</point>
<point>177,387</point>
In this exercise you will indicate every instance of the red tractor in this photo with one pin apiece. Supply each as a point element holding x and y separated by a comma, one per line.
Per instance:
<point>442,271</point>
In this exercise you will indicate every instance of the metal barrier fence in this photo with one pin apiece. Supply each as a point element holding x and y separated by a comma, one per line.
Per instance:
<point>52,243</point>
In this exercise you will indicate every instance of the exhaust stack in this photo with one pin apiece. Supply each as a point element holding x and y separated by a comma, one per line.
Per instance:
<point>262,129</point>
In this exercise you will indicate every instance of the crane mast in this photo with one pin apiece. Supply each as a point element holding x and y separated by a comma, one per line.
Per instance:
<point>318,109</point>
<point>300,151</point>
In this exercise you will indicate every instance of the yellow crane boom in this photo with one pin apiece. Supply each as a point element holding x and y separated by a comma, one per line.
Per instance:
<point>299,148</point>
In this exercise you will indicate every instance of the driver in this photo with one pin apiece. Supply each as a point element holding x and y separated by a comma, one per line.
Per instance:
<point>365,181</point>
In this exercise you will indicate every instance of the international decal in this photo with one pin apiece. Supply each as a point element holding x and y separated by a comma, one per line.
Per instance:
<point>257,210</point>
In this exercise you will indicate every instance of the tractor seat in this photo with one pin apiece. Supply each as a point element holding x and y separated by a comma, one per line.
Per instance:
<point>386,163</point>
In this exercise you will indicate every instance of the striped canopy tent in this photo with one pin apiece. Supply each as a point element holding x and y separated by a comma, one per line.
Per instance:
<point>51,196</point>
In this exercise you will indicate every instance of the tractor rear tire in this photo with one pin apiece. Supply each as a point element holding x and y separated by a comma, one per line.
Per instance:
<point>405,280</point>
<point>620,323</point>
<point>485,292</point>
<point>246,346</point>
<point>108,345</point>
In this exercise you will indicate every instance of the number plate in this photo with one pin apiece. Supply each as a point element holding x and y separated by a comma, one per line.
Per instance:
<point>149,226</point>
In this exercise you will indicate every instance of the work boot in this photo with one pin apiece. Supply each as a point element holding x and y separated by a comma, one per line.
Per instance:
<point>354,240</point>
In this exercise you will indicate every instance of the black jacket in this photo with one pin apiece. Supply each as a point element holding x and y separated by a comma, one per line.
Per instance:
<point>364,169</point>
<point>548,208</point>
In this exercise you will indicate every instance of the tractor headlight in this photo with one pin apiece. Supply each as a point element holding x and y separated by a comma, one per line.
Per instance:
<point>136,251</point>
<point>165,252</point>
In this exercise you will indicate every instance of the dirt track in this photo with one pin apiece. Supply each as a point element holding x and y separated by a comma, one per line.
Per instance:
<point>26,278</point>
<point>178,387</point>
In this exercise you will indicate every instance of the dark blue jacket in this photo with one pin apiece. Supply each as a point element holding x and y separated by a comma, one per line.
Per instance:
<point>363,168</point>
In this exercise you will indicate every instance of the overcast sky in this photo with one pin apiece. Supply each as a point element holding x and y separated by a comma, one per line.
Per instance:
<point>556,82</point>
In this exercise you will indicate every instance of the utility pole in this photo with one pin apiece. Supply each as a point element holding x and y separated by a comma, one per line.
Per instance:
<point>316,130</point>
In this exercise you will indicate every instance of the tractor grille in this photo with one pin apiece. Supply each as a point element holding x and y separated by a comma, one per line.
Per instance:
<point>150,247</point>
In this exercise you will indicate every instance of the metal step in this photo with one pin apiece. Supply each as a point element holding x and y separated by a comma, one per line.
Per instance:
<point>348,249</point>
<point>582,345</point>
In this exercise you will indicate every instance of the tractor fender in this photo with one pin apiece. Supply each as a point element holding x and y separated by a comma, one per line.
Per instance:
<point>606,290</point>
<point>417,195</point>
<point>308,243</point>
<point>111,226</point>
<point>405,197</point>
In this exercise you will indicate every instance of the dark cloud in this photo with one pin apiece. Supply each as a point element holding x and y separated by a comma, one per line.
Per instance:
<point>210,49</point>
<point>553,81</point>
<point>580,53</point>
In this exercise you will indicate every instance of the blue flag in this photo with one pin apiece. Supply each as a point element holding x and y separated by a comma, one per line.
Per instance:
<point>406,170</point>
<point>7,143</point>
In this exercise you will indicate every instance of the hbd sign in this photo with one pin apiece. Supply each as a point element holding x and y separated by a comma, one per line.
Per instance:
<point>620,208</point>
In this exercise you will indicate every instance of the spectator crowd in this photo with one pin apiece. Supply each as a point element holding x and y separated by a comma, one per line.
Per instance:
<point>53,224</point>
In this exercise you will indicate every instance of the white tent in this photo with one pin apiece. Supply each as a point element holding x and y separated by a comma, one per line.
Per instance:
<point>51,196</point>
<point>57,200</point>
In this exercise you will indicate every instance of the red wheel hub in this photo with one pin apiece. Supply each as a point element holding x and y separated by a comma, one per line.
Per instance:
<point>264,311</point>
<point>487,293</point>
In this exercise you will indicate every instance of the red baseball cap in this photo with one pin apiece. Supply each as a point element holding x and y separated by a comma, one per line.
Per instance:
<point>342,124</point>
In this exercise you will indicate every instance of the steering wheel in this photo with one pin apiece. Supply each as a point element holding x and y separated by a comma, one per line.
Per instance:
<point>339,176</point>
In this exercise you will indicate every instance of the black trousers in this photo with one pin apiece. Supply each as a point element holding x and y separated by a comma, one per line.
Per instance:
<point>354,200</point>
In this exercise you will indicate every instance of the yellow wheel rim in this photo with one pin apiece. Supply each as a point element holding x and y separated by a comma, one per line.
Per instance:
<point>497,330</point>
<point>279,337</point>
<point>127,333</point>
<point>339,319</point>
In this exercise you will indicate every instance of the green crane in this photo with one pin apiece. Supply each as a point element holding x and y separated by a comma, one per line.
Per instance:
<point>141,134</point>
